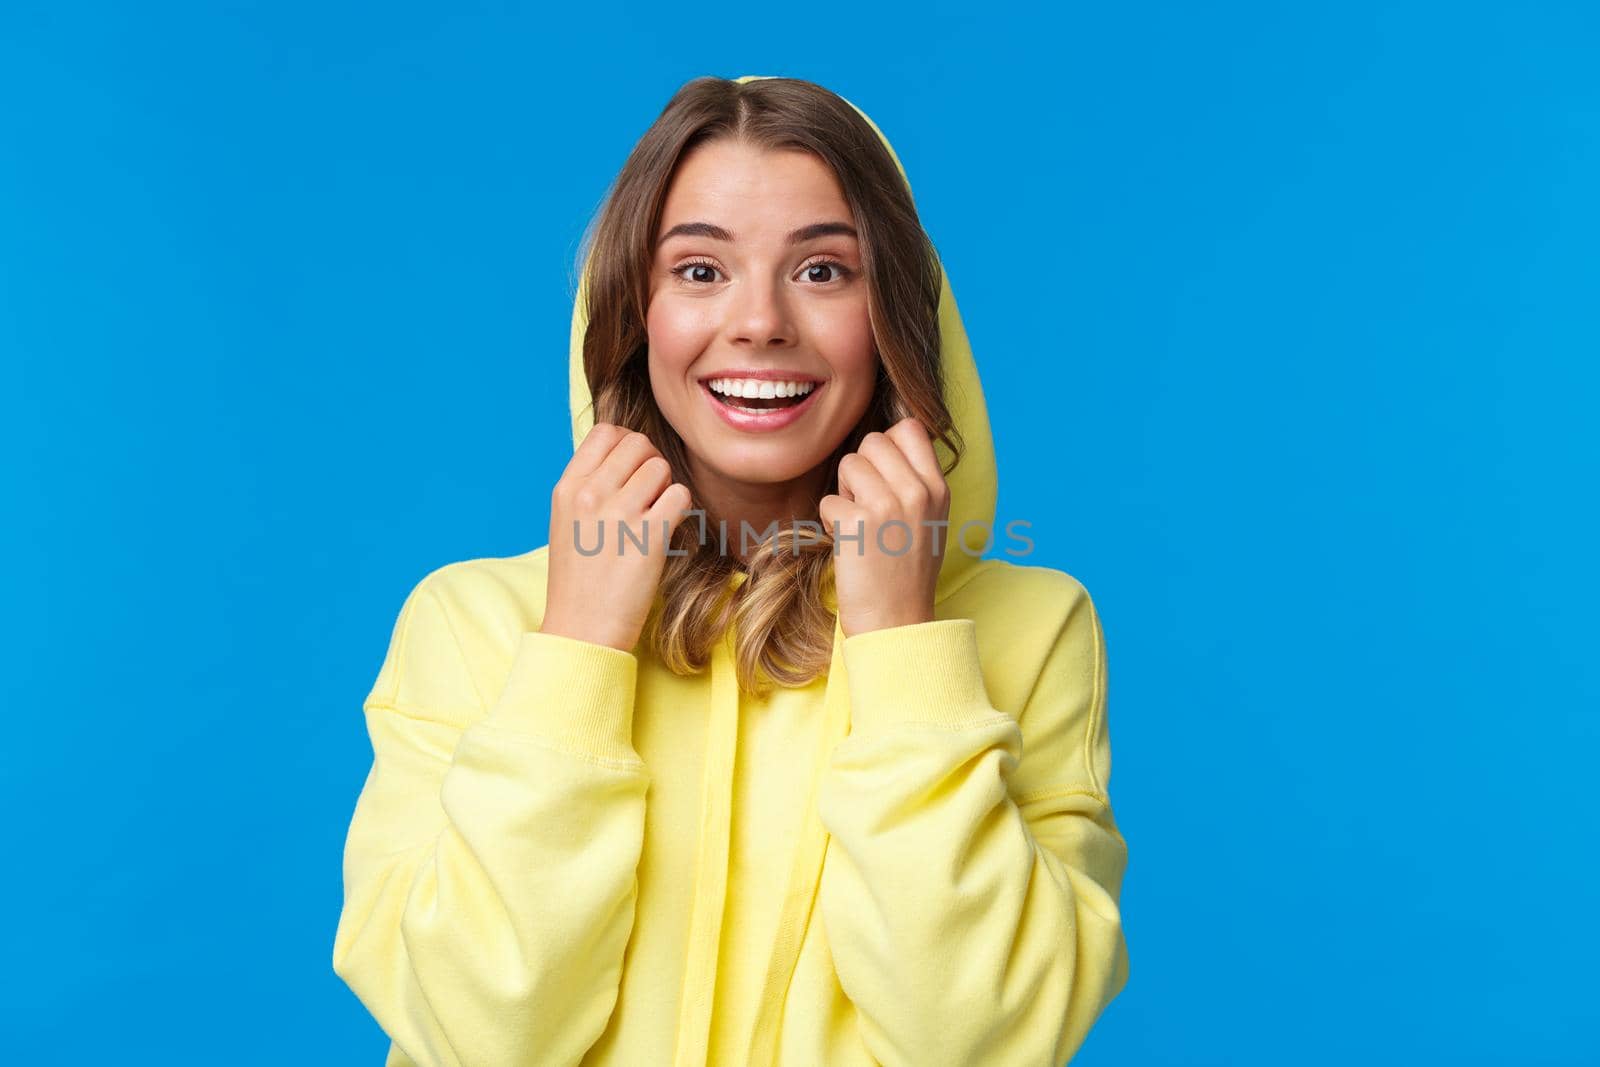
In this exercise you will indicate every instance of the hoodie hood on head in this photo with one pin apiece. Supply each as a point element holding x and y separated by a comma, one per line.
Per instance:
<point>974,482</point>
<point>569,852</point>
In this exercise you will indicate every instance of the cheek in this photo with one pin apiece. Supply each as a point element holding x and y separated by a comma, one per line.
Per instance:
<point>845,338</point>
<point>677,334</point>
<point>677,337</point>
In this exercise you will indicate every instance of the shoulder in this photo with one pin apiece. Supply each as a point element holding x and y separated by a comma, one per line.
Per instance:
<point>1013,603</point>
<point>458,628</point>
<point>1043,655</point>
<point>489,593</point>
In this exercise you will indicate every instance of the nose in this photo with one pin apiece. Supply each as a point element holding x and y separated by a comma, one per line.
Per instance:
<point>760,316</point>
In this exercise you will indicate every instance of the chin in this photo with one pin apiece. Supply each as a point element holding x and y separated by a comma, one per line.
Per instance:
<point>756,460</point>
<point>761,464</point>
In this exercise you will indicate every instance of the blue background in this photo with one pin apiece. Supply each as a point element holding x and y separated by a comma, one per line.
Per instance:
<point>1287,320</point>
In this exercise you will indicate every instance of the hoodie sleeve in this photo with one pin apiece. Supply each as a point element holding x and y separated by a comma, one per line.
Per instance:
<point>489,868</point>
<point>969,925</point>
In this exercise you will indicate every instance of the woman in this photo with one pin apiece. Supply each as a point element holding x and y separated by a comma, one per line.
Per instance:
<point>745,797</point>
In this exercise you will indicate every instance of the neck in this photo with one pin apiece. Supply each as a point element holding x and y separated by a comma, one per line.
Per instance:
<point>760,504</point>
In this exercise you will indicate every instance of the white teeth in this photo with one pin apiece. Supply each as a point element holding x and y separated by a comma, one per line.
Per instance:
<point>753,388</point>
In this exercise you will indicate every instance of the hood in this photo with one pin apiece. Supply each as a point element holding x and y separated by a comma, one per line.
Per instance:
<point>973,484</point>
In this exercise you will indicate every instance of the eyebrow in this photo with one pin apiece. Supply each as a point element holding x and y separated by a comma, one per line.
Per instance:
<point>800,236</point>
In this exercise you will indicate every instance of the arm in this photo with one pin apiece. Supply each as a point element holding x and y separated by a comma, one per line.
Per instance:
<point>965,926</point>
<point>489,869</point>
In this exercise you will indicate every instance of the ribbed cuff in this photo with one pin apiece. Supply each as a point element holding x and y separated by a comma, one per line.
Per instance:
<point>923,672</point>
<point>576,693</point>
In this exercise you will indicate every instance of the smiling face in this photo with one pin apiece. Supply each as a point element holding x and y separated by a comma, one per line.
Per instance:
<point>735,294</point>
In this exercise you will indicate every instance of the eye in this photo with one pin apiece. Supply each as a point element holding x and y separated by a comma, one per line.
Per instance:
<point>682,270</point>
<point>688,272</point>
<point>840,271</point>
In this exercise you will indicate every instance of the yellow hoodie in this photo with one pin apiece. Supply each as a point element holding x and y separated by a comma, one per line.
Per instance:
<point>563,853</point>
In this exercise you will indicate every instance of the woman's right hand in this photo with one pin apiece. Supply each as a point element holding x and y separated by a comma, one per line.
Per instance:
<point>615,476</point>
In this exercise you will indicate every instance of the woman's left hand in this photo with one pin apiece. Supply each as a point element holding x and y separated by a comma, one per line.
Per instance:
<point>888,489</point>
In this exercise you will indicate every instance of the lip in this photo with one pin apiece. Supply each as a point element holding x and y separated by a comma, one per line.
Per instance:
<point>764,375</point>
<point>750,422</point>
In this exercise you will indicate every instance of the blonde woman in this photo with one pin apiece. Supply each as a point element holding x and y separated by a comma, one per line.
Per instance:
<point>757,761</point>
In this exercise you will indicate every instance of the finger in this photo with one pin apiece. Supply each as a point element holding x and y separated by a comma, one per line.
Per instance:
<point>904,480</point>
<point>626,456</point>
<point>917,445</point>
<point>644,487</point>
<point>835,508</point>
<point>861,480</point>
<point>594,448</point>
<point>839,479</point>
<point>671,507</point>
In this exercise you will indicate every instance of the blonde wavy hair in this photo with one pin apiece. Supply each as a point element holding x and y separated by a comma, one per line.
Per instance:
<point>783,626</point>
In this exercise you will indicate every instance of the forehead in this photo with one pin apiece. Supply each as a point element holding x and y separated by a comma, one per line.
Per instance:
<point>755,193</point>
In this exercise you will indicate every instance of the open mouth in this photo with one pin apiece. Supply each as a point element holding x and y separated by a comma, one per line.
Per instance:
<point>755,413</point>
<point>755,403</point>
